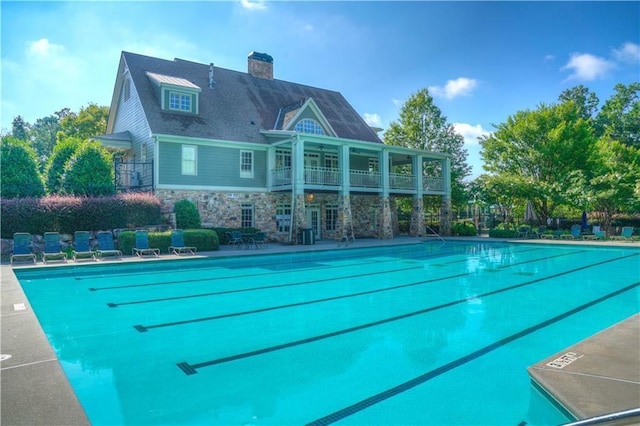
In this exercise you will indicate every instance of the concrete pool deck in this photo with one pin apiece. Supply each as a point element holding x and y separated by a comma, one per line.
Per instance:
<point>35,390</point>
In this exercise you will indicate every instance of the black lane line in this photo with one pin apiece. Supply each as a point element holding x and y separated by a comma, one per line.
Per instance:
<point>141,328</point>
<point>164,299</point>
<point>416,381</point>
<point>422,256</point>
<point>192,368</point>
<point>242,290</point>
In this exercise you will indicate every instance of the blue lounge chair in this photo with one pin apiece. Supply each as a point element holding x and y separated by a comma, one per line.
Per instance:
<point>106,247</point>
<point>22,248</point>
<point>576,233</point>
<point>52,248</point>
<point>81,248</point>
<point>625,234</point>
<point>177,243</point>
<point>142,245</point>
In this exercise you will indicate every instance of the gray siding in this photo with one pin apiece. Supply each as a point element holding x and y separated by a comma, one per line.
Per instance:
<point>216,166</point>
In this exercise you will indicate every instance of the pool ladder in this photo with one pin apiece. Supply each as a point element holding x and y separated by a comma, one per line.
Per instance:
<point>626,417</point>
<point>430,232</point>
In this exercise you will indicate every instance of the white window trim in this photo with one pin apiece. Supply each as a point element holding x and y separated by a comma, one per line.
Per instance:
<point>243,173</point>
<point>180,95</point>
<point>195,160</point>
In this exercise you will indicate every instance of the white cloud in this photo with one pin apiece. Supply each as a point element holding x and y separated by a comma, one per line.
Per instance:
<point>43,48</point>
<point>628,52</point>
<point>587,67</point>
<point>459,87</point>
<point>469,132</point>
<point>253,4</point>
<point>372,120</point>
<point>549,58</point>
<point>397,102</point>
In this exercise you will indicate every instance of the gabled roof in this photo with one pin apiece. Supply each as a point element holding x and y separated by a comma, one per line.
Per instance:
<point>239,106</point>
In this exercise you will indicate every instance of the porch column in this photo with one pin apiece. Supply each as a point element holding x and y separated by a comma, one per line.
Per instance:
<point>271,165</point>
<point>384,172</point>
<point>445,210</point>
<point>344,227</point>
<point>416,227</point>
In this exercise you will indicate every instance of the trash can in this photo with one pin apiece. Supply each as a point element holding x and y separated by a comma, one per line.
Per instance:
<point>307,237</point>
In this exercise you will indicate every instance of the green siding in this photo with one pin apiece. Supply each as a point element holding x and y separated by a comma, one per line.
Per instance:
<point>216,166</point>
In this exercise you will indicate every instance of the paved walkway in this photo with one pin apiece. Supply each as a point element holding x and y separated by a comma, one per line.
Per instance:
<point>35,390</point>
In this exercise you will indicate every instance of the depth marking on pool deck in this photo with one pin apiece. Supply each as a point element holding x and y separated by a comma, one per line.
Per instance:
<point>189,369</point>
<point>201,279</point>
<point>142,328</point>
<point>416,381</point>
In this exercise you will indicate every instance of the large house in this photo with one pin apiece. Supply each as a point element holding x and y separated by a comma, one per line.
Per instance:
<point>254,151</point>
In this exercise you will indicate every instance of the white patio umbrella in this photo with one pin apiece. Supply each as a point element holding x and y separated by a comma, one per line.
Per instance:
<point>530,215</point>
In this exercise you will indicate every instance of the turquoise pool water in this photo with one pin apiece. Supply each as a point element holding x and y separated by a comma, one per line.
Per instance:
<point>416,334</point>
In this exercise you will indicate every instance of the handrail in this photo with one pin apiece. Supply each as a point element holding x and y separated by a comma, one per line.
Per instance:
<point>619,417</point>
<point>434,233</point>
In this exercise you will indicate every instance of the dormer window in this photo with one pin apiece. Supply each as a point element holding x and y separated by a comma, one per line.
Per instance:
<point>179,101</point>
<point>308,125</point>
<point>175,93</point>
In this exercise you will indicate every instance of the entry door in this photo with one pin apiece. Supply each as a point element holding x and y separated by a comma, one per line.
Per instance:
<point>311,172</point>
<point>313,220</point>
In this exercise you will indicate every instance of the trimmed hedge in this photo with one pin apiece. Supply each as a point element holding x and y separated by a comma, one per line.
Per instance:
<point>464,228</point>
<point>201,239</point>
<point>69,214</point>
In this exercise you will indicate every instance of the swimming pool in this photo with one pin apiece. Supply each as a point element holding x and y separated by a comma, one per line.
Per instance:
<point>415,334</point>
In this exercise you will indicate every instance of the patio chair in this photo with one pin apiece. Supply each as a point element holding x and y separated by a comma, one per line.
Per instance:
<point>259,239</point>
<point>142,248</point>
<point>52,248</point>
<point>106,247</point>
<point>522,232</point>
<point>576,233</point>
<point>177,246</point>
<point>236,239</point>
<point>81,248</point>
<point>22,248</point>
<point>625,234</point>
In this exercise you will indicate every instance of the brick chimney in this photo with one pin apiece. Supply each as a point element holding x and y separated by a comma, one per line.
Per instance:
<point>260,65</point>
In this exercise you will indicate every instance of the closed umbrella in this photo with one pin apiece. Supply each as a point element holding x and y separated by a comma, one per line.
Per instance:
<point>585,225</point>
<point>530,214</point>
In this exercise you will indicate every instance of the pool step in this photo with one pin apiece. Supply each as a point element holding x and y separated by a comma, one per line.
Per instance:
<point>596,376</point>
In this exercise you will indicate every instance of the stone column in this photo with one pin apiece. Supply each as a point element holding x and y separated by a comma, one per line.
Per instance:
<point>385,226</point>
<point>416,227</point>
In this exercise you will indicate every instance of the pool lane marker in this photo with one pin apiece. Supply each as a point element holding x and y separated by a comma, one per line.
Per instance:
<point>189,369</point>
<point>416,381</point>
<point>423,256</point>
<point>142,328</point>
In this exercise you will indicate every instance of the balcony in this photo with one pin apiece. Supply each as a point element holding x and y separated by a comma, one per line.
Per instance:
<point>330,179</point>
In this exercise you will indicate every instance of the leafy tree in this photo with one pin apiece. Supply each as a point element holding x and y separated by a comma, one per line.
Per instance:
<point>422,126</point>
<point>90,121</point>
<point>89,171</point>
<point>43,136</point>
<point>586,101</point>
<point>187,215</point>
<point>619,118</point>
<point>19,175</point>
<point>541,148</point>
<point>54,170</point>
<point>20,129</point>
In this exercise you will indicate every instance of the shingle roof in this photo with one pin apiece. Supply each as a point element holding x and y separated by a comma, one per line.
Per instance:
<point>239,105</point>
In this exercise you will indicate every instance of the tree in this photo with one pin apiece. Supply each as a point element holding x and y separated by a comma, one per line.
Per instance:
<point>422,126</point>
<point>20,129</point>
<point>586,101</point>
<point>56,163</point>
<point>619,118</point>
<point>542,148</point>
<point>19,175</point>
<point>89,171</point>
<point>43,136</point>
<point>90,121</point>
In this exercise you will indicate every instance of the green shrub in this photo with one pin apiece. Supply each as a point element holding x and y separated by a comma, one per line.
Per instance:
<point>464,228</point>
<point>89,171</point>
<point>501,233</point>
<point>19,175</point>
<point>201,239</point>
<point>187,215</point>
<point>62,152</point>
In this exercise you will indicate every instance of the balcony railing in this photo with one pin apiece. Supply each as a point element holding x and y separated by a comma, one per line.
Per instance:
<point>330,177</point>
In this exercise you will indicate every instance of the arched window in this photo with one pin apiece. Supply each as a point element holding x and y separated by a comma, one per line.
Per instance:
<point>309,126</point>
<point>127,89</point>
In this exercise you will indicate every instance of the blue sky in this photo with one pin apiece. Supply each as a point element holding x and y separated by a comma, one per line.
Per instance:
<point>482,61</point>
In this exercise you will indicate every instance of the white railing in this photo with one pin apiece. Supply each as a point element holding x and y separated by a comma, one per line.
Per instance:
<point>401,181</point>
<point>321,176</point>
<point>282,176</point>
<point>364,178</point>
<point>432,184</point>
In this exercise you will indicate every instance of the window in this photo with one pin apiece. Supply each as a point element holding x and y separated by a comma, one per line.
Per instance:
<point>309,126</point>
<point>283,159</point>
<point>246,164</point>
<point>331,161</point>
<point>127,89</point>
<point>246,216</point>
<point>283,217</point>
<point>189,155</point>
<point>331,217</point>
<point>179,101</point>
<point>373,164</point>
